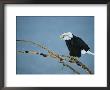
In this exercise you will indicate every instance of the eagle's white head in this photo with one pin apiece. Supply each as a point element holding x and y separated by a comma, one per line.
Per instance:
<point>66,36</point>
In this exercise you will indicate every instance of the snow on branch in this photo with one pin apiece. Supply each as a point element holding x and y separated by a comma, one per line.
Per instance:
<point>61,58</point>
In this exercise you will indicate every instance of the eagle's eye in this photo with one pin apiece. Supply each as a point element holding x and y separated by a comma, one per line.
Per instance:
<point>63,36</point>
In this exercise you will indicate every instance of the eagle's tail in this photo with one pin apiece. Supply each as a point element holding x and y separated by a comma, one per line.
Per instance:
<point>88,52</point>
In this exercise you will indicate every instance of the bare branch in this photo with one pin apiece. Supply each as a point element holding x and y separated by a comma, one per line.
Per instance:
<point>55,55</point>
<point>79,63</point>
<point>49,55</point>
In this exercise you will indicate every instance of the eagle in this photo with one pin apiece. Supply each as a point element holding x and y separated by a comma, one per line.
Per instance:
<point>76,45</point>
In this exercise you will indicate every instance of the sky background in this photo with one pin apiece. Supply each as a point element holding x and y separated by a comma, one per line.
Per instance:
<point>46,30</point>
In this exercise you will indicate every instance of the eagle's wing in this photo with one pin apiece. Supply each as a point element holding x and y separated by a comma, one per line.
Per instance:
<point>69,45</point>
<point>83,45</point>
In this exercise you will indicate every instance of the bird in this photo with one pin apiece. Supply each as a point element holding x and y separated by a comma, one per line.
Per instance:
<point>75,44</point>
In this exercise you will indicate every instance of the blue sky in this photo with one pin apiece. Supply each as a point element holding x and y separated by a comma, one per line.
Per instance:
<point>46,30</point>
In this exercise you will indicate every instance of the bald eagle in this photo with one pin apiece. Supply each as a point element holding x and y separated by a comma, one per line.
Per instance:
<point>75,45</point>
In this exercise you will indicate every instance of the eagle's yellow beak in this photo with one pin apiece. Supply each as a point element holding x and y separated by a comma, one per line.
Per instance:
<point>61,37</point>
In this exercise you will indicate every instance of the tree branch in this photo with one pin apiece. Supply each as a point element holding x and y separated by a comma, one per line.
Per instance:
<point>61,58</point>
<point>47,55</point>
